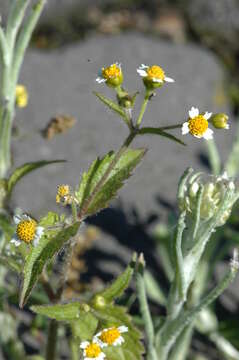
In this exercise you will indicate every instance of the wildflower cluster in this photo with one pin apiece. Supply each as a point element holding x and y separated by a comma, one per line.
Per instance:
<point>107,337</point>
<point>154,77</point>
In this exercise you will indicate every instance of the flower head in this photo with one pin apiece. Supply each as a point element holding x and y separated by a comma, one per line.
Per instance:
<point>27,230</point>
<point>197,124</point>
<point>111,75</point>
<point>63,194</point>
<point>153,76</point>
<point>111,336</point>
<point>92,350</point>
<point>21,96</point>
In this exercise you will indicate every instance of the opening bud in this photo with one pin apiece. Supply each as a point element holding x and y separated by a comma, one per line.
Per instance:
<point>220,121</point>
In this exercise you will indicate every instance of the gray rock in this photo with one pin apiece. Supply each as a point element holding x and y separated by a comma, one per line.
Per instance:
<point>218,20</point>
<point>61,82</point>
<point>56,8</point>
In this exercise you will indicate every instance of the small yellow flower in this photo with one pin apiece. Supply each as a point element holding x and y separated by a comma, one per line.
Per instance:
<point>27,230</point>
<point>153,76</point>
<point>92,350</point>
<point>111,336</point>
<point>111,75</point>
<point>63,194</point>
<point>197,124</point>
<point>21,96</point>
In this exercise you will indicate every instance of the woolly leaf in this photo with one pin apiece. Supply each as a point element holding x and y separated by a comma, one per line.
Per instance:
<point>25,169</point>
<point>38,256</point>
<point>96,189</point>
<point>60,312</point>
<point>158,131</point>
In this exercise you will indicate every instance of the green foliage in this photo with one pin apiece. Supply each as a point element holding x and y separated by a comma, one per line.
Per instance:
<point>96,189</point>
<point>6,227</point>
<point>11,263</point>
<point>158,131</point>
<point>85,327</point>
<point>111,104</point>
<point>61,312</point>
<point>25,169</point>
<point>117,288</point>
<point>40,255</point>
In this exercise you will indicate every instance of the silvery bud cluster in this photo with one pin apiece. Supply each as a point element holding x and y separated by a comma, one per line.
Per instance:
<point>210,194</point>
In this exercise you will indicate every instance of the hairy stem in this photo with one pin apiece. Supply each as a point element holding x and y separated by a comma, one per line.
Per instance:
<point>51,340</point>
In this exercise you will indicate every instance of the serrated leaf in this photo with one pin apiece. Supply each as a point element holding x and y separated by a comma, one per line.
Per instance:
<point>158,131</point>
<point>25,169</point>
<point>132,348</point>
<point>85,327</point>
<point>111,104</point>
<point>51,219</point>
<point>93,197</point>
<point>40,255</point>
<point>118,286</point>
<point>60,312</point>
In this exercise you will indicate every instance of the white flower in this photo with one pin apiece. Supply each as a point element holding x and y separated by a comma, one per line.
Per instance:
<point>26,230</point>
<point>92,350</point>
<point>197,125</point>
<point>153,73</point>
<point>111,336</point>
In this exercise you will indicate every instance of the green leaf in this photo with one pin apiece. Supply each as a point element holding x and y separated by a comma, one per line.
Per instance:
<point>40,255</point>
<point>118,286</point>
<point>158,131</point>
<point>111,104</point>
<point>85,327</point>
<point>83,322</point>
<point>61,312</point>
<point>132,348</point>
<point>25,169</point>
<point>95,191</point>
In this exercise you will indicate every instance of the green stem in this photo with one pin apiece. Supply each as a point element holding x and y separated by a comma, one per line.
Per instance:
<point>213,157</point>
<point>143,108</point>
<point>52,340</point>
<point>74,211</point>
<point>171,127</point>
<point>74,350</point>
<point>144,309</point>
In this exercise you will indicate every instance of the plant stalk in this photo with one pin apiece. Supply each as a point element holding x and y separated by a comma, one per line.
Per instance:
<point>51,340</point>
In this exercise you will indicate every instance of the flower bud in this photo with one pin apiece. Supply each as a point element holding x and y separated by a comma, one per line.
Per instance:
<point>219,121</point>
<point>111,75</point>
<point>213,191</point>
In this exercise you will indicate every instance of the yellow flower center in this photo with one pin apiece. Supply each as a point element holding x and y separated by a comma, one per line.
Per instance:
<point>92,350</point>
<point>113,71</point>
<point>198,125</point>
<point>21,96</point>
<point>26,230</point>
<point>109,336</point>
<point>62,192</point>
<point>155,72</point>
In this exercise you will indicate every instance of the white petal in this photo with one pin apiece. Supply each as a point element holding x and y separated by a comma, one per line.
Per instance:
<point>231,185</point>
<point>143,66</point>
<point>168,79</point>
<point>84,344</point>
<point>193,112</point>
<point>99,342</point>
<point>157,80</point>
<point>207,115</point>
<point>17,219</point>
<point>141,72</point>
<point>123,329</point>
<point>185,128</point>
<point>118,341</point>
<point>100,80</point>
<point>227,127</point>
<point>208,135</point>
<point>16,242</point>
<point>39,231</point>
